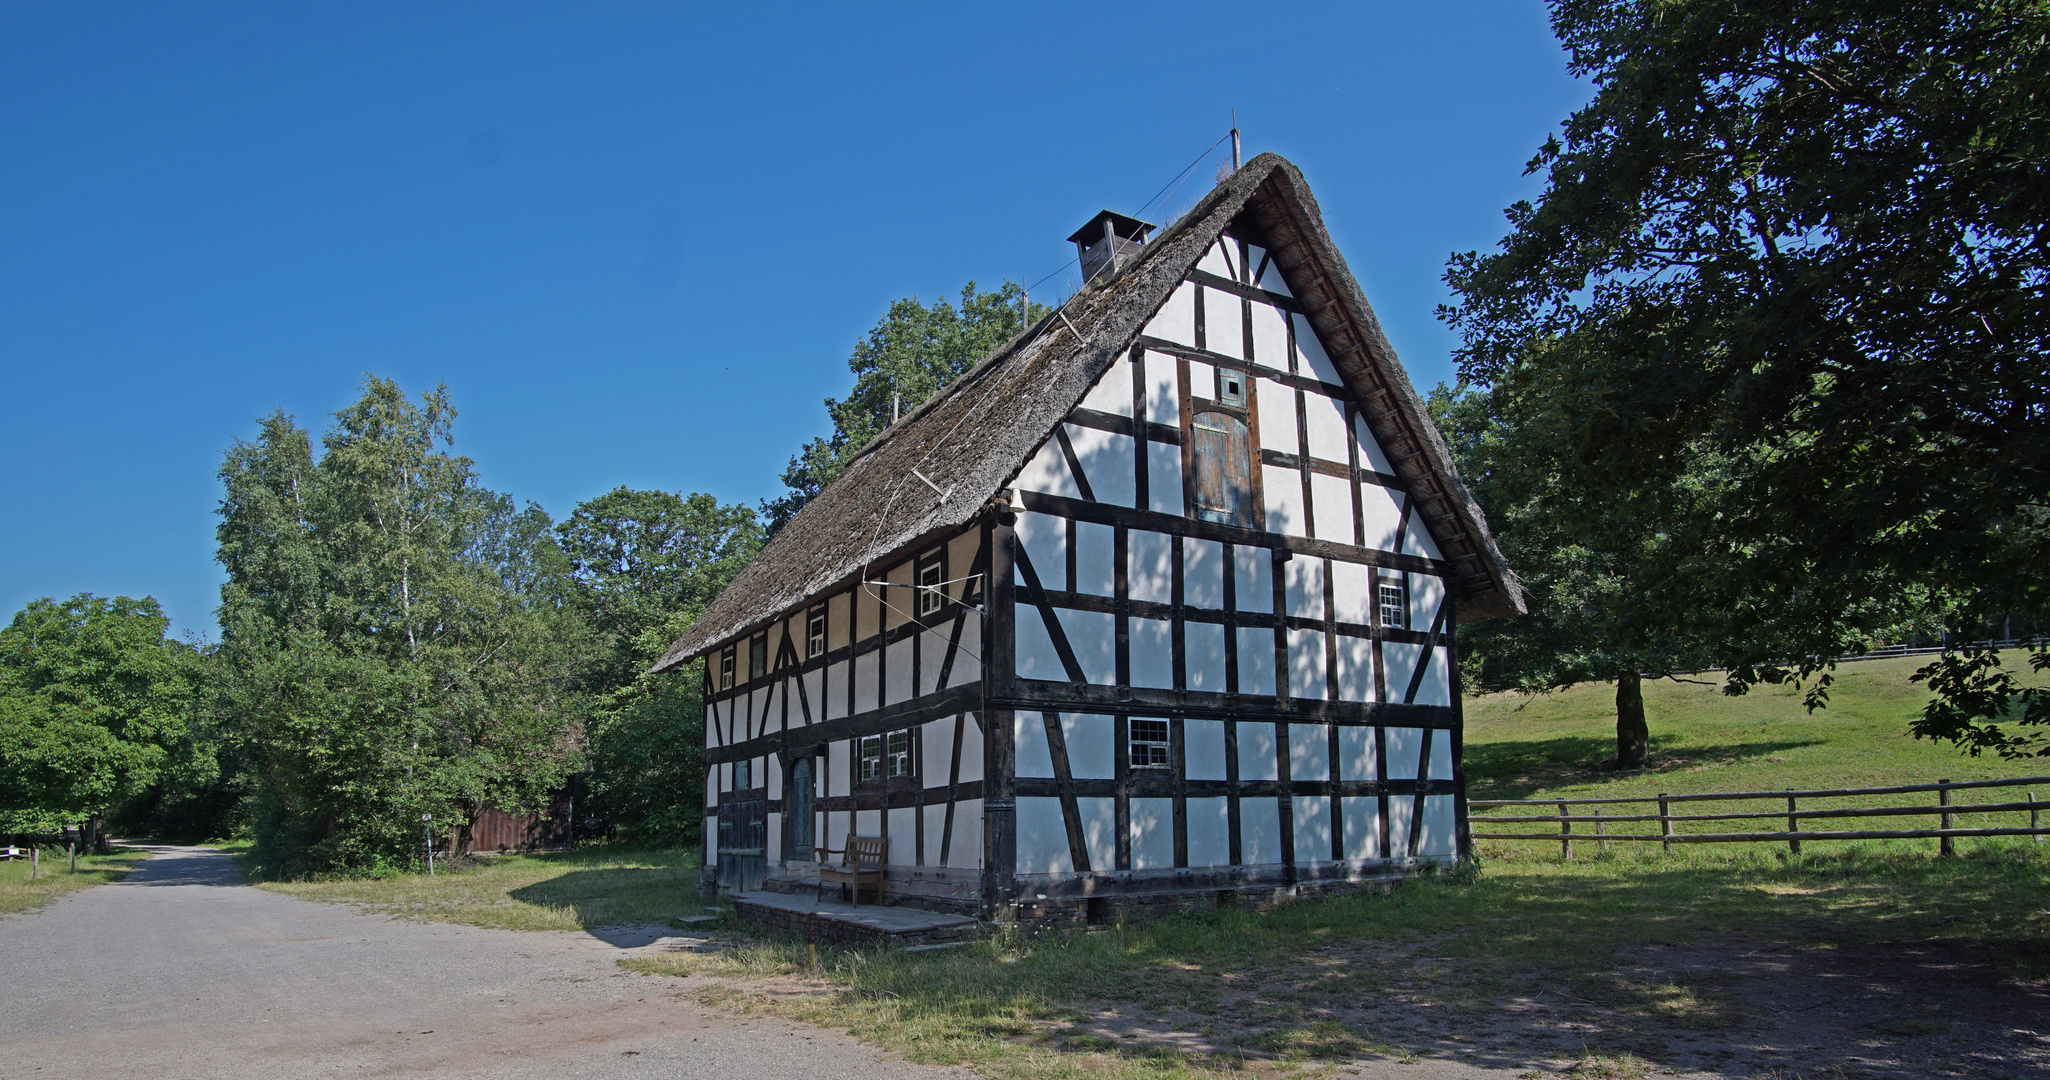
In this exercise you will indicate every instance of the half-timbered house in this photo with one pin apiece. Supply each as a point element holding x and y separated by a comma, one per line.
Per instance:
<point>1156,603</point>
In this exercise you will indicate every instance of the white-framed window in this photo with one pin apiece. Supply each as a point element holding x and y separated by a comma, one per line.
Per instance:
<point>815,633</point>
<point>898,753</point>
<point>932,593</point>
<point>726,669</point>
<point>1148,744</point>
<point>1394,606</point>
<point>871,757</point>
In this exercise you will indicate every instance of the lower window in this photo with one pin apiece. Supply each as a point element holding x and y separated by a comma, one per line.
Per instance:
<point>1148,744</point>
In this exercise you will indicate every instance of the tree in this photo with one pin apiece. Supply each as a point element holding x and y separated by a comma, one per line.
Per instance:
<point>396,639</point>
<point>643,565</point>
<point>911,354</point>
<point>1807,242</point>
<point>93,701</point>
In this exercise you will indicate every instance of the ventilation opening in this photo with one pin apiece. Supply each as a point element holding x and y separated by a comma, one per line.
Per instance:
<point>1099,911</point>
<point>1227,898</point>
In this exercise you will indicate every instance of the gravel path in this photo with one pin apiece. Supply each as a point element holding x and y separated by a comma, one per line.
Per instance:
<point>183,970</point>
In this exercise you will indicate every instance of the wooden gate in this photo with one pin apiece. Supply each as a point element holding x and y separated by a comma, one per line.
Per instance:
<point>743,844</point>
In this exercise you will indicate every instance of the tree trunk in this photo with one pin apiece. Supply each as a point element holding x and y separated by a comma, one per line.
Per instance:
<point>1633,738</point>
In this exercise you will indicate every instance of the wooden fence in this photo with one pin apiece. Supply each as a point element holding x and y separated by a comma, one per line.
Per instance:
<point>1596,826</point>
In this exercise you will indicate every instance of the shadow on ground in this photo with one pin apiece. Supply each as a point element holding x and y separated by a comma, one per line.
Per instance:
<point>1516,769</point>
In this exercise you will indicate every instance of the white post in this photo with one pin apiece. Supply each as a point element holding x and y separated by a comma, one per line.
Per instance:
<point>427,833</point>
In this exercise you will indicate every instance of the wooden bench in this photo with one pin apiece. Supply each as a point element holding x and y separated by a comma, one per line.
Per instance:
<point>860,860</point>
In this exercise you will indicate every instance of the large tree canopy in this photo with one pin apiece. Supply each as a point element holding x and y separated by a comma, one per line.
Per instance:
<point>912,352</point>
<point>1805,241</point>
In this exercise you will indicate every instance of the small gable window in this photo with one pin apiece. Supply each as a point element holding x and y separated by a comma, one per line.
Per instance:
<point>726,669</point>
<point>1394,606</point>
<point>1148,744</point>
<point>932,587</point>
<point>815,633</point>
<point>1221,474</point>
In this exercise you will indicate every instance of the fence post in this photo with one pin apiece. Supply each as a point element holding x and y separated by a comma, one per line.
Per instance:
<point>1601,833</point>
<point>35,866</point>
<point>2038,838</point>
<point>1565,834</point>
<point>1666,822</point>
<point>1793,824</point>
<point>1945,844</point>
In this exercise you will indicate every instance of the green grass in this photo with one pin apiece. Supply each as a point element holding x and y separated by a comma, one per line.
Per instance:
<point>18,893</point>
<point>572,890</point>
<point>1439,960</point>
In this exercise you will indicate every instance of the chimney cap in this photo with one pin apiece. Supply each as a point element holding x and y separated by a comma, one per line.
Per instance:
<point>1127,228</point>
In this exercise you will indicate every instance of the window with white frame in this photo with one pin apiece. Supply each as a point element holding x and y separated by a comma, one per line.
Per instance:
<point>931,587</point>
<point>1394,606</point>
<point>815,633</point>
<point>1148,744</point>
<point>898,753</point>
<point>726,669</point>
<point>871,757</point>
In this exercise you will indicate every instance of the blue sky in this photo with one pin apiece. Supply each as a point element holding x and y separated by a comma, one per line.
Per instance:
<point>636,241</point>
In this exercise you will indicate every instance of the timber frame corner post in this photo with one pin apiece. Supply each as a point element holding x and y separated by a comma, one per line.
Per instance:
<point>999,685</point>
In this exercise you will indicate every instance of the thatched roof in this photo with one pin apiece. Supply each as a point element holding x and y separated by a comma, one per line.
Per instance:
<point>970,439</point>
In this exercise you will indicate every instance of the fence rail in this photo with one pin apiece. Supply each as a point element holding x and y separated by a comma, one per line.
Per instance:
<point>1944,810</point>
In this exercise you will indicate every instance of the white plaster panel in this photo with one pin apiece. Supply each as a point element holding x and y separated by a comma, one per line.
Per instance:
<point>1045,539</point>
<point>1371,454</point>
<point>1331,507</point>
<point>1282,490</point>
<point>865,680</point>
<point>1399,812</point>
<point>898,672</point>
<point>971,749</point>
<point>1401,659</point>
<point>1256,752</point>
<point>1356,753</point>
<point>1270,337</point>
<point>1202,573</point>
<point>1259,832</point>
<point>1272,281</point>
<point>1256,660</point>
<point>1277,417</point>
<point>1150,575</point>
<point>1108,460</point>
<point>1203,749</point>
<point>1304,582</point>
<point>1163,389</point>
<point>711,855</point>
<point>1253,585</point>
<point>1352,592</point>
<point>1029,746</point>
<point>1440,834</point>
<point>1164,478</point>
<point>967,659</point>
<point>1312,828</point>
<point>1099,830</point>
<point>1362,827</point>
<point>935,830</point>
<point>1324,422</point>
<point>1042,838</point>
<point>897,603</point>
<point>967,850</point>
<point>1112,391</point>
<point>868,823</point>
<point>838,824</point>
<point>1441,755</point>
<point>1176,319</point>
<point>1306,664</point>
<point>1436,689</point>
<point>1309,752</point>
<point>1381,509</point>
<point>1152,834</point>
<point>1355,669</point>
<point>1311,359</point>
<point>1254,254</point>
<point>1417,540</point>
<point>1091,635</point>
<point>1224,323</point>
<point>1036,656</point>
<point>932,652</point>
<point>961,552</point>
<point>903,849</point>
<point>774,825</point>
<point>936,751</point>
<point>1095,565</point>
<point>813,696</point>
<point>772,771</point>
<point>1152,653</point>
<point>1202,380</point>
<point>1048,471</point>
<point>836,767</point>
<point>1426,593</point>
<point>1215,261</point>
<point>1405,751</point>
<point>1092,746</point>
<point>1203,645</point>
<point>1209,832</point>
